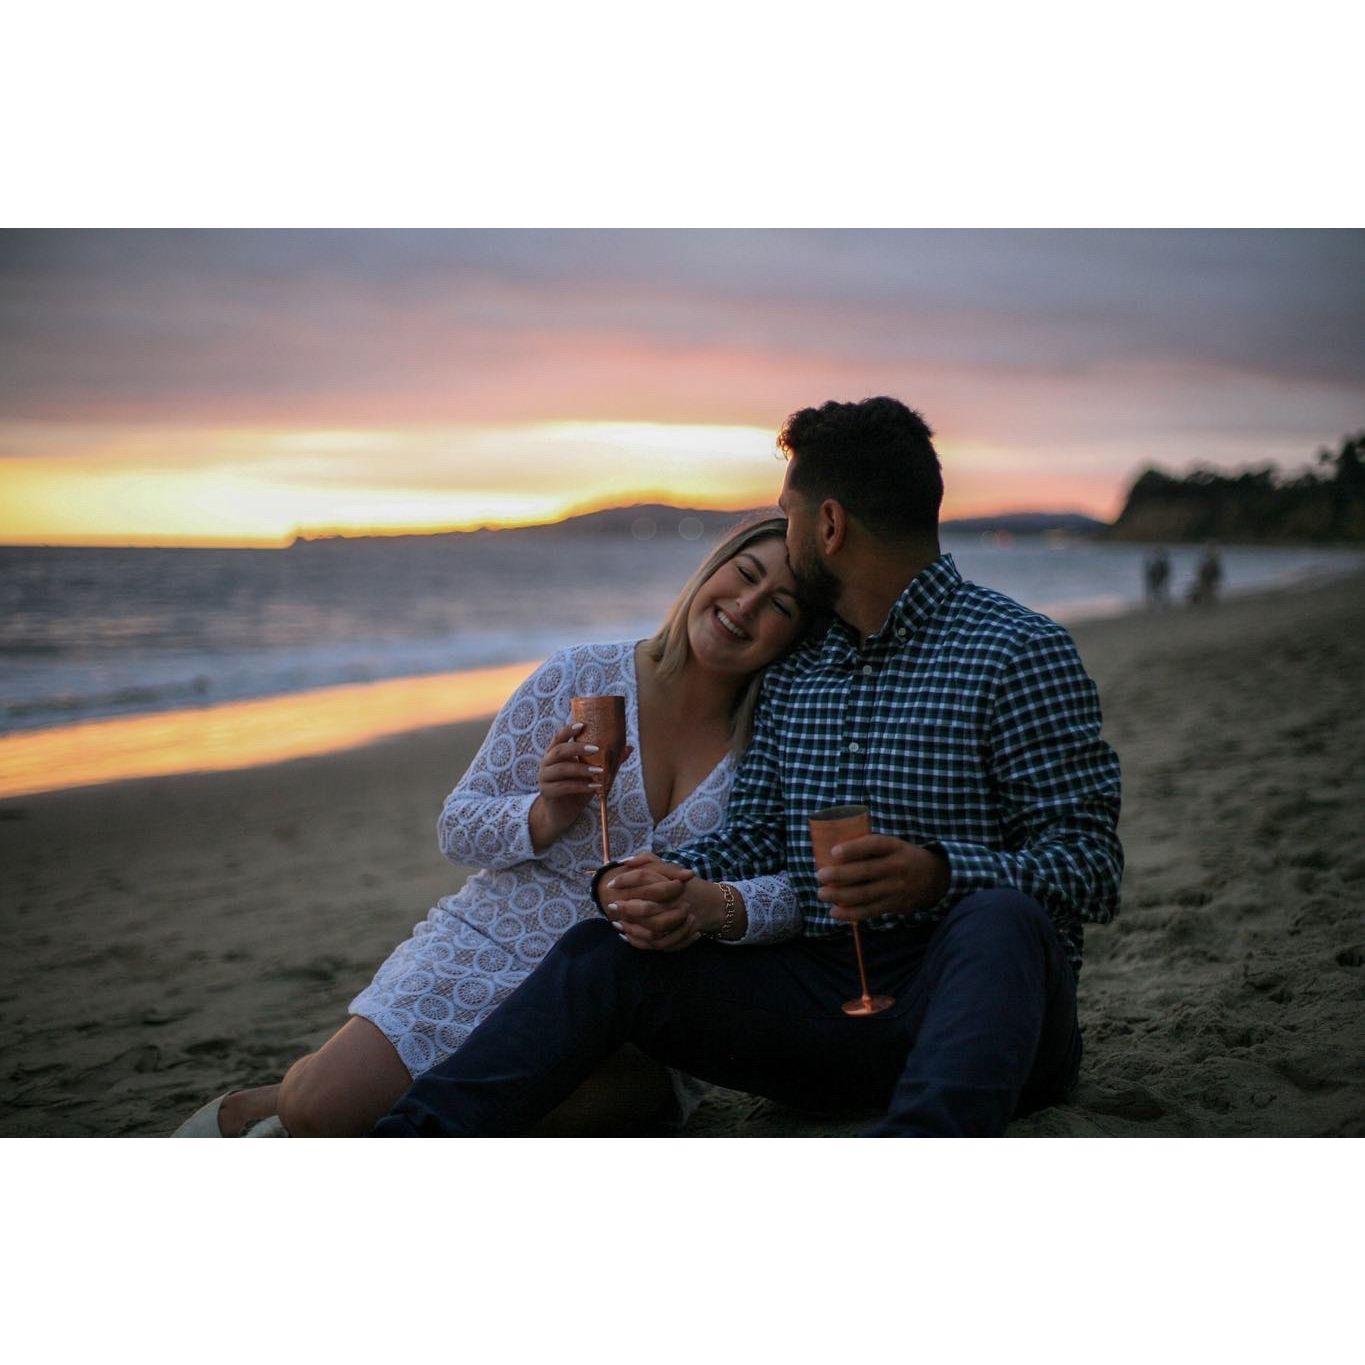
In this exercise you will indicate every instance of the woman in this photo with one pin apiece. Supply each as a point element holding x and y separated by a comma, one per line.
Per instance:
<point>526,814</point>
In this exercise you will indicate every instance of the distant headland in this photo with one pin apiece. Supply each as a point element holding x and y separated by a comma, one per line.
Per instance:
<point>1323,504</point>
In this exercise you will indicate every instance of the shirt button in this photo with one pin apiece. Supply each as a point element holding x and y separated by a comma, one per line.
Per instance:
<point>867,670</point>
<point>853,748</point>
<point>900,632</point>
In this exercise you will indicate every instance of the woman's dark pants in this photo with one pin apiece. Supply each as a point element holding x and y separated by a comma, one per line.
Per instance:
<point>984,1026</point>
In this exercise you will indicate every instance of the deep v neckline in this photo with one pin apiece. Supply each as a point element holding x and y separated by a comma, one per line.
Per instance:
<point>639,754</point>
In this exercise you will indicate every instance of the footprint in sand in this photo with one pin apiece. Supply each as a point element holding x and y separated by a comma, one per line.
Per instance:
<point>1304,1074</point>
<point>1270,984</point>
<point>1193,896</point>
<point>210,1047</point>
<point>323,971</point>
<point>1135,1102</point>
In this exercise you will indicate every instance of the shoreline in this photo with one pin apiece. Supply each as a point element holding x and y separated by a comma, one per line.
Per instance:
<point>167,938</point>
<point>261,732</point>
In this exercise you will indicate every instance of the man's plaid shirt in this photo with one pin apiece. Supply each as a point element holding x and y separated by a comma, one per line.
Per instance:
<point>967,724</point>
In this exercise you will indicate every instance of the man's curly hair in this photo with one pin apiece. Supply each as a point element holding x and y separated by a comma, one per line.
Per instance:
<point>875,457</point>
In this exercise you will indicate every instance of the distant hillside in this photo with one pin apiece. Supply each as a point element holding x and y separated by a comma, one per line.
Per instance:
<point>1027,524</point>
<point>1324,504</point>
<point>645,521</point>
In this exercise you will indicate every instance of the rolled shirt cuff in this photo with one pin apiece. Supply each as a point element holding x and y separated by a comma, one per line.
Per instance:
<point>971,867</point>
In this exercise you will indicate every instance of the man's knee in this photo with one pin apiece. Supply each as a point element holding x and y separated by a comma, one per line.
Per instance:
<point>587,936</point>
<point>589,944</point>
<point>588,950</point>
<point>998,914</point>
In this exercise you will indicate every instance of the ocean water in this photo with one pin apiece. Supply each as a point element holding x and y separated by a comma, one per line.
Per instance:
<point>88,633</point>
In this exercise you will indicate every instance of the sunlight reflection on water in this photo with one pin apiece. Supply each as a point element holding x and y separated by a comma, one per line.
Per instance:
<point>244,734</point>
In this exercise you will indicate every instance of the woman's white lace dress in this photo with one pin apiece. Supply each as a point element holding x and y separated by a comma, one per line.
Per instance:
<point>475,947</point>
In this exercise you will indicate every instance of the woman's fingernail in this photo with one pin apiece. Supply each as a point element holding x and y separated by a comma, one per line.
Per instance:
<point>577,725</point>
<point>623,938</point>
<point>590,749</point>
<point>613,906</point>
<point>610,885</point>
<point>594,770</point>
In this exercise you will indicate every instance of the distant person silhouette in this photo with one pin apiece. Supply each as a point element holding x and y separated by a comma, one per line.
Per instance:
<point>1157,576</point>
<point>1208,579</point>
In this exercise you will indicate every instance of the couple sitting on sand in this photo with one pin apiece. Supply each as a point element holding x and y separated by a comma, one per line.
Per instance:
<point>833,657</point>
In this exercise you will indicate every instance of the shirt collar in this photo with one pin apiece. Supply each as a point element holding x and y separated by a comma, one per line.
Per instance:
<point>924,595</point>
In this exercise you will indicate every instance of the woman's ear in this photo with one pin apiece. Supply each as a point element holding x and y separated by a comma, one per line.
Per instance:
<point>832,526</point>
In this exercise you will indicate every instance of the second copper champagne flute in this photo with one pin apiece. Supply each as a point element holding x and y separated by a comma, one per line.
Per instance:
<point>604,724</point>
<point>836,825</point>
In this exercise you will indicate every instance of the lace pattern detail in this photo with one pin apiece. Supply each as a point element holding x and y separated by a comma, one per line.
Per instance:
<point>771,911</point>
<point>475,947</point>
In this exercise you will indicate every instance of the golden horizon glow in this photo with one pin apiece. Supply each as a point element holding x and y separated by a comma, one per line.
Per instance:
<point>259,488</point>
<point>264,488</point>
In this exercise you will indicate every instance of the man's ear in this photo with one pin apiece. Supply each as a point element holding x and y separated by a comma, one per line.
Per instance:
<point>831,527</point>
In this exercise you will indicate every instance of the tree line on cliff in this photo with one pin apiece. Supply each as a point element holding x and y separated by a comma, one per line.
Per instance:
<point>1323,503</point>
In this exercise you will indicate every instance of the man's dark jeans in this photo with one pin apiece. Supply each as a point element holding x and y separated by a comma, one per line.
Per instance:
<point>984,1026</point>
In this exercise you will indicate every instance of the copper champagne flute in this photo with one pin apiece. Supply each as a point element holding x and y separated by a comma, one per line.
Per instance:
<point>604,724</point>
<point>836,825</point>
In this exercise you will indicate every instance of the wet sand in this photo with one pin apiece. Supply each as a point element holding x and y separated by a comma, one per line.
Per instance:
<point>165,939</point>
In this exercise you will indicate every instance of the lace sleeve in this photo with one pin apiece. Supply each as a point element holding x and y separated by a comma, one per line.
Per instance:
<point>484,821</point>
<point>771,909</point>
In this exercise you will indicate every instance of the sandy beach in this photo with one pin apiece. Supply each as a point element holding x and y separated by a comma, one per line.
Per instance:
<point>169,938</point>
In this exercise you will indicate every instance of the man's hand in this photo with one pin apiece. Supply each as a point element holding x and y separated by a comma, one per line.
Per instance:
<point>879,875</point>
<point>646,900</point>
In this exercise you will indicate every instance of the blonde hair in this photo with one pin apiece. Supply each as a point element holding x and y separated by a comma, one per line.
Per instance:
<point>669,647</point>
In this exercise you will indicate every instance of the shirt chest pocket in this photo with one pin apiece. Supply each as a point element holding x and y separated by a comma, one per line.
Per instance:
<point>925,757</point>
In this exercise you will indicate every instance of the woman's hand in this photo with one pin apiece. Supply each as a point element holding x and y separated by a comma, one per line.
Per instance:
<point>660,906</point>
<point>571,774</point>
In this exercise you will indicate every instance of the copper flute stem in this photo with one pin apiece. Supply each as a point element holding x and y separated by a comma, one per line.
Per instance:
<point>862,971</point>
<point>606,834</point>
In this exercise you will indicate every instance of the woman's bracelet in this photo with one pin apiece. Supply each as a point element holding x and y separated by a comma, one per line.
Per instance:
<point>597,882</point>
<point>727,920</point>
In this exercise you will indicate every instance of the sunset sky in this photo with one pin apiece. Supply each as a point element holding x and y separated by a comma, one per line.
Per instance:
<point>240,386</point>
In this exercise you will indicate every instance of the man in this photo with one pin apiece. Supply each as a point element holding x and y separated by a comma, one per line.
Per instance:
<point>969,728</point>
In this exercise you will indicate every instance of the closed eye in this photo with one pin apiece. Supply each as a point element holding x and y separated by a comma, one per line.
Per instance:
<point>749,576</point>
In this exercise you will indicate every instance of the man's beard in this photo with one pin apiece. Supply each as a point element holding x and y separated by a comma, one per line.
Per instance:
<point>818,587</point>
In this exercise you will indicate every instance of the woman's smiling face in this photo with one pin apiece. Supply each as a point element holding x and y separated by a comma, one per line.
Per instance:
<point>746,614</point>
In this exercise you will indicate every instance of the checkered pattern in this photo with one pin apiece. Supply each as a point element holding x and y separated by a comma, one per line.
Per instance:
<point>968,725</point>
